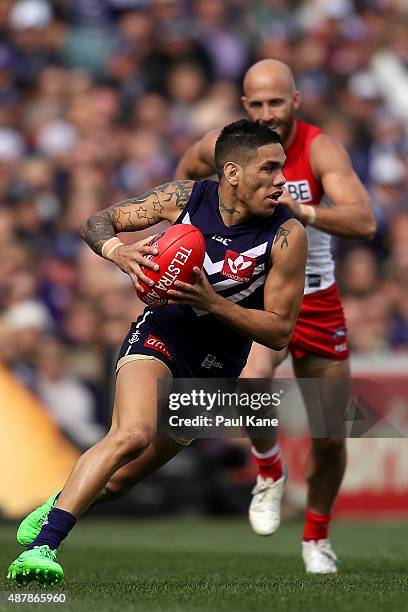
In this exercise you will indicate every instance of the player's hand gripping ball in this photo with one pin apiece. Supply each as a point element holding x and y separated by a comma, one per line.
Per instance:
<point>180,249</point>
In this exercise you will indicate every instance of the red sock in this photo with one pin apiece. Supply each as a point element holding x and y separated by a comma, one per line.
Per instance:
<point>270,464</point>
<point>316,526</point>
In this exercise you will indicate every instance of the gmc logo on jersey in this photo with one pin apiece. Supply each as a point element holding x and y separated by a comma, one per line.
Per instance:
<point>299,190</point>
<point>238,267</point>
<point>156,344</point>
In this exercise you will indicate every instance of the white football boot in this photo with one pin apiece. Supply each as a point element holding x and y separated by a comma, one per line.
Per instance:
<point>319,557</point>
<point>265,508</point>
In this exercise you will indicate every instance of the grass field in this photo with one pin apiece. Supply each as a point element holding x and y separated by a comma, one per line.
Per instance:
<point>215,565</point>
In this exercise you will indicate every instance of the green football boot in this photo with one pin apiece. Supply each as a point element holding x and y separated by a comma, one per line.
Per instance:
<point>30,527</point>
<point>38,563</point>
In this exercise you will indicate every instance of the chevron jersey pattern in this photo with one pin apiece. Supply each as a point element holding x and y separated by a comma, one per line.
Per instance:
<point>237,257</point>
<point>236,263</point>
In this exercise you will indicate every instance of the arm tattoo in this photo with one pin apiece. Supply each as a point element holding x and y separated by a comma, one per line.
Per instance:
<point>135,214</point>
<point>282,233</point>
<point>180,191</point>
<point>96,230</point>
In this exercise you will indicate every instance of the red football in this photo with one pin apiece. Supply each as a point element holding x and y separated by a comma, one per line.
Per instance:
<point>181,248</point>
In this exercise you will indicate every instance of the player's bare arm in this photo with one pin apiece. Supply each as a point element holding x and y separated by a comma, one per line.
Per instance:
<point>137,213</point>
<point>283,295</point>
<point>163,203</point>
<point>351,214</point>
<point>198,160</point>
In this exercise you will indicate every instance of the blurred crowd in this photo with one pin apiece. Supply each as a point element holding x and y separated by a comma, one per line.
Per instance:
<point>100,98</point>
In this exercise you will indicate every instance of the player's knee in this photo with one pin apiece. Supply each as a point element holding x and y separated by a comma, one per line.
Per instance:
<point>258,370</point>
<point>259,367</point>
<point>129,444</point>
<point>262,363</point>
<point>326,449</point>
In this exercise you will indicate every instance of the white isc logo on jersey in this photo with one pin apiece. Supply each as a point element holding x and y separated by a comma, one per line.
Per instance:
<point>210,361</point>
<point>299,190</point>
<point>224,241</point>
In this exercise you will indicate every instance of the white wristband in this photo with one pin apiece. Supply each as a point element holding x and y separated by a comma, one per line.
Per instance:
<point>107,252</point>
<point>308,213</point>
<point>115,246</point>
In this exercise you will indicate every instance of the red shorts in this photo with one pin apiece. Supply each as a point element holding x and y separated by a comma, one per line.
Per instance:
<point>321,326</point>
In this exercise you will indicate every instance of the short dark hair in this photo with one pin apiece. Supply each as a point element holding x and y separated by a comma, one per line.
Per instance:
<point>239,142</point>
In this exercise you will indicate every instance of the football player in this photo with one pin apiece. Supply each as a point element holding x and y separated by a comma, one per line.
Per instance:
<point>325,194</point>
<point>220,314</point>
